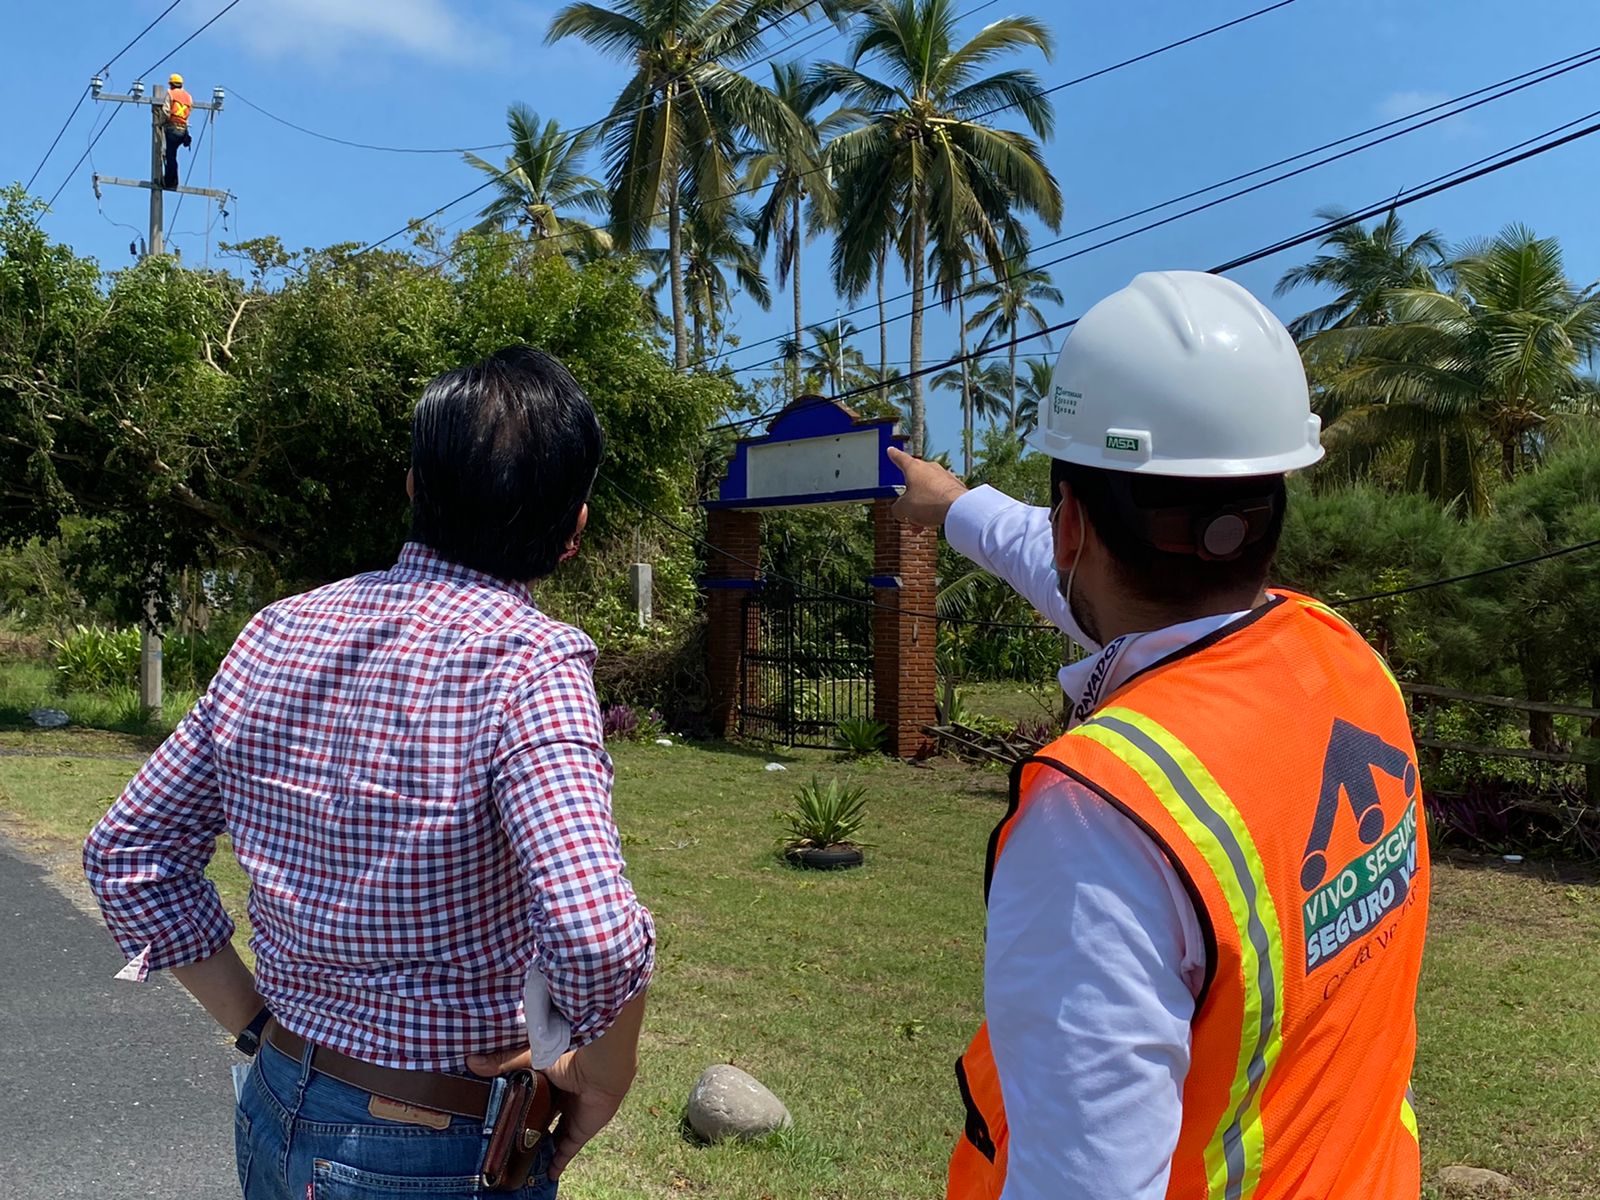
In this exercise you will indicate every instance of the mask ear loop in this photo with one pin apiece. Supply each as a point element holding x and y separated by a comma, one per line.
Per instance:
<point>1072,572</point>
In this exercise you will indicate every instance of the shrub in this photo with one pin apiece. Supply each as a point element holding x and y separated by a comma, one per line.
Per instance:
<point>94,659</point>
<point>860,736</point>
<point>825,814</point>
<point>619,721</point>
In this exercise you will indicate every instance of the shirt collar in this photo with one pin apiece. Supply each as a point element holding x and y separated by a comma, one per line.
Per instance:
<point>423,562</point>
<point>1087,682</point>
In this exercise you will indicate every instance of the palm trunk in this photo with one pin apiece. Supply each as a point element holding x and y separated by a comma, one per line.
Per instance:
<point>883,320</point>
<point>680,331</point>
<point>698,311</point>
<point>799,247</point>
<point>966,389</point>
<point>919,255</point>
<point>1012,427</point>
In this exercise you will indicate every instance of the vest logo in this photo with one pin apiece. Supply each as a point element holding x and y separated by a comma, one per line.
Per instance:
<point>1130,444</point>
<point>1376,882</point>
<point>1064,401</point>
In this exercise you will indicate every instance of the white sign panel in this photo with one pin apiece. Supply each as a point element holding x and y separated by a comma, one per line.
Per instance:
<point>845,462</point>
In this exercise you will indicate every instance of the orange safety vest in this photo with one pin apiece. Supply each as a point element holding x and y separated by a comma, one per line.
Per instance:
<point>1273,764</point>
<point>179,105</point>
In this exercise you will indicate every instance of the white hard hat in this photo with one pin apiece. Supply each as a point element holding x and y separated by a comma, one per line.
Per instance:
<point>1180,373</point>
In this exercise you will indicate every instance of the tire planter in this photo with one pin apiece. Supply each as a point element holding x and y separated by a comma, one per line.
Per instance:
<point>825,858</point>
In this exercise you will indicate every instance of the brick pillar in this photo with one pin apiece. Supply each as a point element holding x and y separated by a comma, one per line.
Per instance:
<point>728,582</point>
<point>904,645</point>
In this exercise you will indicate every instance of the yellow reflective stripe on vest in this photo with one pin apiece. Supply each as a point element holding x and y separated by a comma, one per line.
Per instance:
<point>1408,1114</point>
<point>1213,825</point>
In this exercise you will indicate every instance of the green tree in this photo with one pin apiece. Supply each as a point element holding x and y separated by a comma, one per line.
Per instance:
<point>1541,617</point>
<point>1363,266</point>
<point>831,359</point>
<point>1034,396</point>
<point>792,170</point>
<point>716,245</point>
<point>1464,380</point>
<point>541,183</point>
<point>922,148</point>
<point>675,131</point>
<point>1011,303</point>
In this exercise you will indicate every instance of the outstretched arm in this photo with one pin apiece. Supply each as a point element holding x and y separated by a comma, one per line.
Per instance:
<point>1003,536</point>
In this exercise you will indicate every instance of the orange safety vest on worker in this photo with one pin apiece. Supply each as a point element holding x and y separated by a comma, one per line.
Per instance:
<point>179,105</point>
<point>1274,766</point>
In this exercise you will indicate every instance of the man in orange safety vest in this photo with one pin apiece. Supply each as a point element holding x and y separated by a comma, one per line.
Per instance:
<point>1207,900</point>
<point>179,104</point>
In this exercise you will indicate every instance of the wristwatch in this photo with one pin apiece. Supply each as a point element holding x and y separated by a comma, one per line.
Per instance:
<point>249,1040</point>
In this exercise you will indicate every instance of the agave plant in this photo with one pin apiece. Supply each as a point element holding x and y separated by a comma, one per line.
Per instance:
<point>825,814</point>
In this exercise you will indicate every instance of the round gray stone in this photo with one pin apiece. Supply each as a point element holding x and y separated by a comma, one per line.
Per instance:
<point>49,718</point>
<point>726,1102</point>
<point>1472,1181</point>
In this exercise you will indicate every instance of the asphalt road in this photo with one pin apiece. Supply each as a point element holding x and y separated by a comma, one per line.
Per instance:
<point>107,1089</point>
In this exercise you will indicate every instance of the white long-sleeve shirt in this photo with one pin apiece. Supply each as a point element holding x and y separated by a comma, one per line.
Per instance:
<point>1094,953</point>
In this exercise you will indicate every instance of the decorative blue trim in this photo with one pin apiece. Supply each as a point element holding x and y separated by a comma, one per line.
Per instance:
<point>885,581</point>
<point>733,585</point>
<point>811,417</point>
<point>878,493</point>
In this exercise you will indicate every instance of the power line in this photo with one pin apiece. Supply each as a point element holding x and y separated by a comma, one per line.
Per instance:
<point>178,207</point>
<point>1310,235</point>
<point>84,95</point>
<point>226,9</point>
<point>607,119</point>
<point>234,94</point>
<point>749,190</point>
<point>976,622</point>
<point>87,150</point>
<point>1468,102</point>
<point>1463,578</point>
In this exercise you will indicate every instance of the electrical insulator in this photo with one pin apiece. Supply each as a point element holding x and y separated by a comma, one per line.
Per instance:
<point>96,84</point>
<point>217,97</point>
<point>137,89</point>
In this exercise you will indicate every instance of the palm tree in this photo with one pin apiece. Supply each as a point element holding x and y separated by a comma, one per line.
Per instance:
<point>921,148</point>
<point>1465,379</point>
<point>673,134</point>
<point>954,267</point>
<point>795,170</point>
<point>1012,299</point>
<point>831,358</point>
<point>541,182</point>
<point>1364,266</point>
<point>987,387</point>
<point>1035,395</point>
<point>715,245</point>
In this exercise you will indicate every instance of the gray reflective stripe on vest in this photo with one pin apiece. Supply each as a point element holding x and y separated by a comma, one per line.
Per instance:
<point>1233,1136</point>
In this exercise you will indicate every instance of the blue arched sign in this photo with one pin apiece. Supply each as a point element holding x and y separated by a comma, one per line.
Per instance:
<point>816,451</point>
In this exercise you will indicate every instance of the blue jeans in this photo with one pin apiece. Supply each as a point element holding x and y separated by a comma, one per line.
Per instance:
<point>302,1135</point>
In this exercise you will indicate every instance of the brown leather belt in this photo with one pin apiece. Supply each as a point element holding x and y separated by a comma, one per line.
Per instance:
<point>454,1094</point>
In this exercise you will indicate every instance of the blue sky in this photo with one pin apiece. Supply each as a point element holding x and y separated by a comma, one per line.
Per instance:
<point>431,73</point>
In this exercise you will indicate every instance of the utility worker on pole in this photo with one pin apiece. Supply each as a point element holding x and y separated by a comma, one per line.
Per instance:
<point>1207,900</point>
<point>179,104</point>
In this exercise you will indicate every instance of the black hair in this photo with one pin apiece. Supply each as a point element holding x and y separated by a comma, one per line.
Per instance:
<point>1145,519</point>
<point>503,457</point>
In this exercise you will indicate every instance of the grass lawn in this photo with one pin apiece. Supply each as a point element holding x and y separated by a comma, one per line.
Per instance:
<point>851,994</point>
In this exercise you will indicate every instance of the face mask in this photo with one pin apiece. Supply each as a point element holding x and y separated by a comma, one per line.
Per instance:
<point>1085,622</point>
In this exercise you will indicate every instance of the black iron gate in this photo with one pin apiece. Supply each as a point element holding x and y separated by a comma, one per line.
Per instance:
<point>807,662</point>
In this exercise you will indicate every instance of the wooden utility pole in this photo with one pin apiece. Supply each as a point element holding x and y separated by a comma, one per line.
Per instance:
<point>149,627</point>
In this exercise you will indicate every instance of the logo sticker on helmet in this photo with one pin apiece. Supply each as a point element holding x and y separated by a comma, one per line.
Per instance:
<point>1117,442</point>
<point>1064,401</point>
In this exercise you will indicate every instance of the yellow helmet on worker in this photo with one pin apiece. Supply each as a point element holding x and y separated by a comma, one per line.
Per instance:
<point>175,80</point>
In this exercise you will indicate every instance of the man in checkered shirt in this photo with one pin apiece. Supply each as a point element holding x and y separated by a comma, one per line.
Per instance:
<point>410,767</point>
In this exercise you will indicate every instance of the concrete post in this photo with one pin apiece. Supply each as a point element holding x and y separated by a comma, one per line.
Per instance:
<point>640,585</point>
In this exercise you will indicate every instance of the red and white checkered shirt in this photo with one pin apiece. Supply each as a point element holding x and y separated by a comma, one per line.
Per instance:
<point>411,768</point>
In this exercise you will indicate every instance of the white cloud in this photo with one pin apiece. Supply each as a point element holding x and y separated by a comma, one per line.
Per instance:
<point>324,30</point>
<point>1402,104</point>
